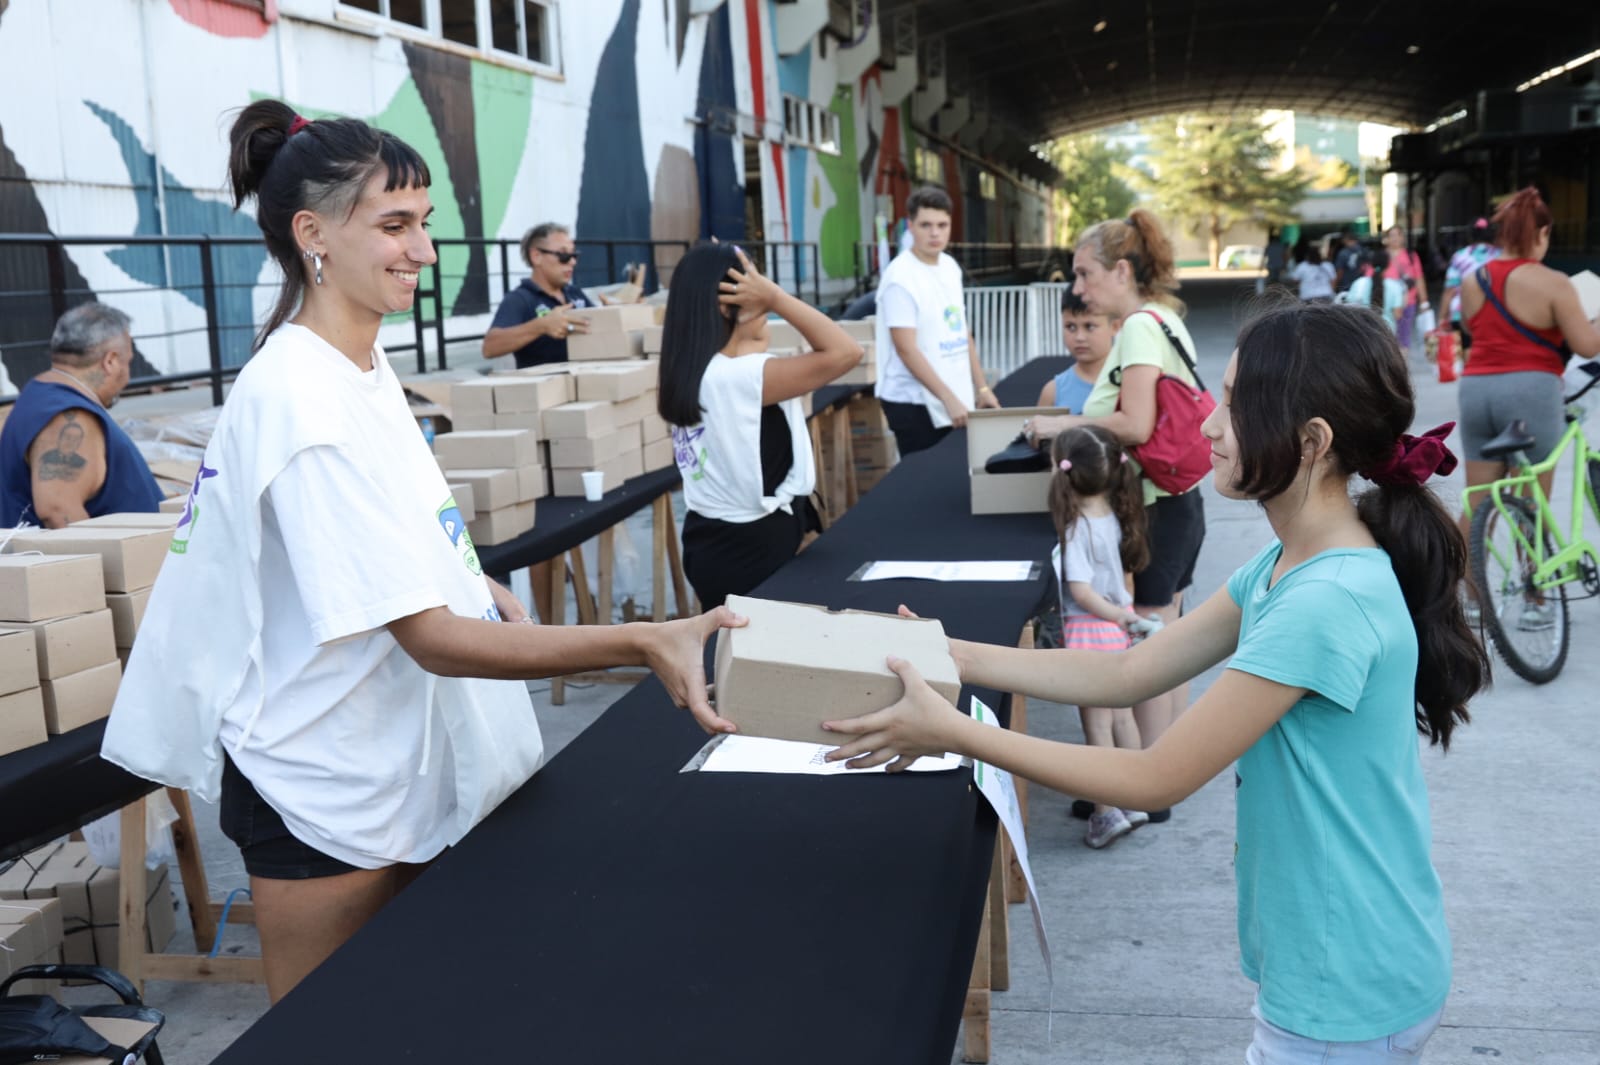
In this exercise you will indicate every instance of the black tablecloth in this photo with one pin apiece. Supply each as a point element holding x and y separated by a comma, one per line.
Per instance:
<point>50,789</point>
<point>616,910</point>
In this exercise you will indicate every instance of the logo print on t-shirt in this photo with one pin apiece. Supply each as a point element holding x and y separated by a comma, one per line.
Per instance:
<point>454,527</point>
<point>191,511</point>
<point>952,318</point>
<point>686,452</point>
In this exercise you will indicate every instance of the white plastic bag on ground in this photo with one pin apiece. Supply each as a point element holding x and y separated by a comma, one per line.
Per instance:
<point>104,836</point>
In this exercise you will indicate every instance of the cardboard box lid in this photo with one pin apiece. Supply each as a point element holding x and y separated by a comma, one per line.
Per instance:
<point>34,587</point>
<point>157,520</point>
<point>131,557</point>
<point>617,319</point>
<point>827,665</point>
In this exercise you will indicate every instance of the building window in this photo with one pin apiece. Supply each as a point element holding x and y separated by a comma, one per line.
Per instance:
<point>986,185</point>
<point>807,125</point>
<point>522,28</point>
<point>930,168</point>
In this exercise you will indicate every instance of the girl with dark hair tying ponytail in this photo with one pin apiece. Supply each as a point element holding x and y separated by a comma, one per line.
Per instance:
<point>323,653</point>
<point>1347,639</point>
<point>738,432</point>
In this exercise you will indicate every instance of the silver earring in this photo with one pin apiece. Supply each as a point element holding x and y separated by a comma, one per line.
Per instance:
<point>316,266</point>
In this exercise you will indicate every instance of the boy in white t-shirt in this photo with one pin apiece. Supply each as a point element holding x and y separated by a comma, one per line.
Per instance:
<point>928,372</point>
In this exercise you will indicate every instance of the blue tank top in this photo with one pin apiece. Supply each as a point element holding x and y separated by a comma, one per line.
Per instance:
<point>129,486</point>
<point>1072,391</point>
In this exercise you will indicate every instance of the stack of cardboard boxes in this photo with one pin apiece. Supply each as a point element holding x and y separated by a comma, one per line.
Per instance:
<point>85,921</point>
<point>127,608</point>
<point>612,425</point>
<point>494,449</point>
<point>871,442</point>
<point>56,604</point>
<point>784,339</point>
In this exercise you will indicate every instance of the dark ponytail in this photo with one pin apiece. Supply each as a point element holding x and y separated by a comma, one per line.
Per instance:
<point>321,166</point>
<point>1097,465</point>
<point>1342,364</point>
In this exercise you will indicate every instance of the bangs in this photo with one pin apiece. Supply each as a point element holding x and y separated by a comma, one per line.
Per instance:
<point>405,166</point>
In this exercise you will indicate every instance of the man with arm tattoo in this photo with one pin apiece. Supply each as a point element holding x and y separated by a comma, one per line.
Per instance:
<point>62,456</point>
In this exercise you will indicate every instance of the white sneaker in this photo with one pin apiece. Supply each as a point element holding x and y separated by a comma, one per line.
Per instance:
<point>1106,828</point>
<point>1136,818</point>
<point>1537,617</point>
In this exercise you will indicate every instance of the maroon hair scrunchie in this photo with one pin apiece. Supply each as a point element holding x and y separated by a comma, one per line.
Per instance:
<point>300,122</point>
<point>1415,459</point>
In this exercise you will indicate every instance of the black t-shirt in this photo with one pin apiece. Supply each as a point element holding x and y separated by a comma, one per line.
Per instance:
<point>1348,263</point>
<point>525,303</point>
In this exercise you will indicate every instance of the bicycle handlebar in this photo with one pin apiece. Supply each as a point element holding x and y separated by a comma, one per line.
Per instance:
<point>1592,368</point>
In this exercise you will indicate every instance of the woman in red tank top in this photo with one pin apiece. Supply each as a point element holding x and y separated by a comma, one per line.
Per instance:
<point>1523,327</point>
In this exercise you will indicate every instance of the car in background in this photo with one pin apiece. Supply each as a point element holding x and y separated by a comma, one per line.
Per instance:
<point>1241,257</point>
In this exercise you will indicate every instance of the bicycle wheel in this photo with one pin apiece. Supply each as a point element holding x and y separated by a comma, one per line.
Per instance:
<point>1527,625</point>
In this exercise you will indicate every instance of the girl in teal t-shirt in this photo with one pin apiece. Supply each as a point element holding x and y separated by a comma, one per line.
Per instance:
<point>1347,638</point>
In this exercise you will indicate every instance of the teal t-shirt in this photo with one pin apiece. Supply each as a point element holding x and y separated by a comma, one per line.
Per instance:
<point>1341,915</point>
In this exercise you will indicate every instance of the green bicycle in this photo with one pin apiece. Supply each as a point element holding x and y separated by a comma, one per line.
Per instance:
<point>1522,563</point>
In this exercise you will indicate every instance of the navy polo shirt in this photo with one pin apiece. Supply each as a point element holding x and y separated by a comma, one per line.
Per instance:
<point>525,303</point>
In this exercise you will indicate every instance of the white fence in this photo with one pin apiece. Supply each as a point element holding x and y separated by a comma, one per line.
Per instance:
<point>1015,323</point>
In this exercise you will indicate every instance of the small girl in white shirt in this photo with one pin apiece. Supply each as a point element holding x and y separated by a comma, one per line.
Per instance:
<point>1098,508</point>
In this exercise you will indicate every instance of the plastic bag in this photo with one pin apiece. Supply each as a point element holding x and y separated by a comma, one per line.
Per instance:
<point>1427,321</point>
<point>104,836</point>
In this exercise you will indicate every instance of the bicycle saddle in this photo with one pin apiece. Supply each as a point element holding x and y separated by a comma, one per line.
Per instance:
<point>1515,438</point>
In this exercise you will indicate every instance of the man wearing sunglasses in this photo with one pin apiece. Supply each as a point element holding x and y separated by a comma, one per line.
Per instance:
<point>532,321</point>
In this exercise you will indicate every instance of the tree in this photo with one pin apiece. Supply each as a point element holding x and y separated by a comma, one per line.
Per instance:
<point>1093,179</point>
<point>1213,171</point>
<point>1329,172</point>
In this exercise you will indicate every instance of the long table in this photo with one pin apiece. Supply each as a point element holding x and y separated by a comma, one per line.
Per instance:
<point>616,910</point>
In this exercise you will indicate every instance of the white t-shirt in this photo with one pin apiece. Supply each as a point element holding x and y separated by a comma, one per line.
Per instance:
<point>1316,280</point>
<point>1094,557</point>
<point>319,517</point>
<point>928,298</point>
<point>720,458</point>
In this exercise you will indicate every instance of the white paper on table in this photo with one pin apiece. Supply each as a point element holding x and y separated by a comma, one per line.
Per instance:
<point>947,571</point>
<point>1001,790</point>
<point>753,754</point>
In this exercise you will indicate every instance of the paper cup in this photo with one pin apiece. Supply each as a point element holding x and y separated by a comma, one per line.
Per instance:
<point>593,484</point>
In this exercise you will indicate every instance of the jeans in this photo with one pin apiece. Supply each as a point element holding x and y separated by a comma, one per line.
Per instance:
<point>1272,1045</point>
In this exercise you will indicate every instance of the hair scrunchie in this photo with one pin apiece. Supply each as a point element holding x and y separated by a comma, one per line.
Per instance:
<point>1415,459</point>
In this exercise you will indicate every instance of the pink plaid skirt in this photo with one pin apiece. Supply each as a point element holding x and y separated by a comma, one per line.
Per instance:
<point>1085,632</point>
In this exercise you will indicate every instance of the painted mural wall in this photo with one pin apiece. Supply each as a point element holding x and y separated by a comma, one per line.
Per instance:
<point>645,132</point>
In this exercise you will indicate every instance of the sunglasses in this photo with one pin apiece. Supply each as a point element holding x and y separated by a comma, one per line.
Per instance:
<point>562,257</point>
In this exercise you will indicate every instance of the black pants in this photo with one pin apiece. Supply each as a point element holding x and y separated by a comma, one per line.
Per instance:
<point>723,558</point>
<point>912,426</point>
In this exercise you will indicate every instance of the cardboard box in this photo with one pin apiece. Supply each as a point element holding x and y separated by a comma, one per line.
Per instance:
<point>76,642</point>
<point>33,587</point>
<point>781,334</point>
<point>615,320</point>
<point>630,437</point>
<point>19,661</point>
<point>590,419</point>
<point>652,340</point>
<point>556,384</point>
<point>626,466</point>
<point>79,698</point>
<point>498,526</point>
<point>469,399</point>
<point>658,455</point>
<point>491,489</point>
<point>90,911</point>
<point>43,913</point>
<point>461,496</point>
<point>22,721</point>
<point>604,347</point>
<point>583,453</point>
<point>472,422</point>
<point>130,558</point>
<point>864,372</point>
<point>527,395</point>
<point>654,427</point>
<point>862,331</point>
<point>175,504</point>
<point>488,449</point>
<point>795,666</point>
<point>131,521</point>
<point>633,410</point>
<point>989,431</point>
<point>127,614</point>
<point>617,469</point>
<point>614,382</point>
<point>532,483</point>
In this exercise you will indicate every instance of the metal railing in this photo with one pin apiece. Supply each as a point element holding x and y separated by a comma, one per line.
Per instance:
<point>1014,323</point>
<point>205,291</point>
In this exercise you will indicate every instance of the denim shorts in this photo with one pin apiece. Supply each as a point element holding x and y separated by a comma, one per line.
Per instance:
<point>269,850</point>
<point>1272,1045</point>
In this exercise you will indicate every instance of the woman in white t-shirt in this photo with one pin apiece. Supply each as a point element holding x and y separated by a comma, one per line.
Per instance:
<point>317,651</point>
<point>1315,277</point>
<point>738,431</point>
